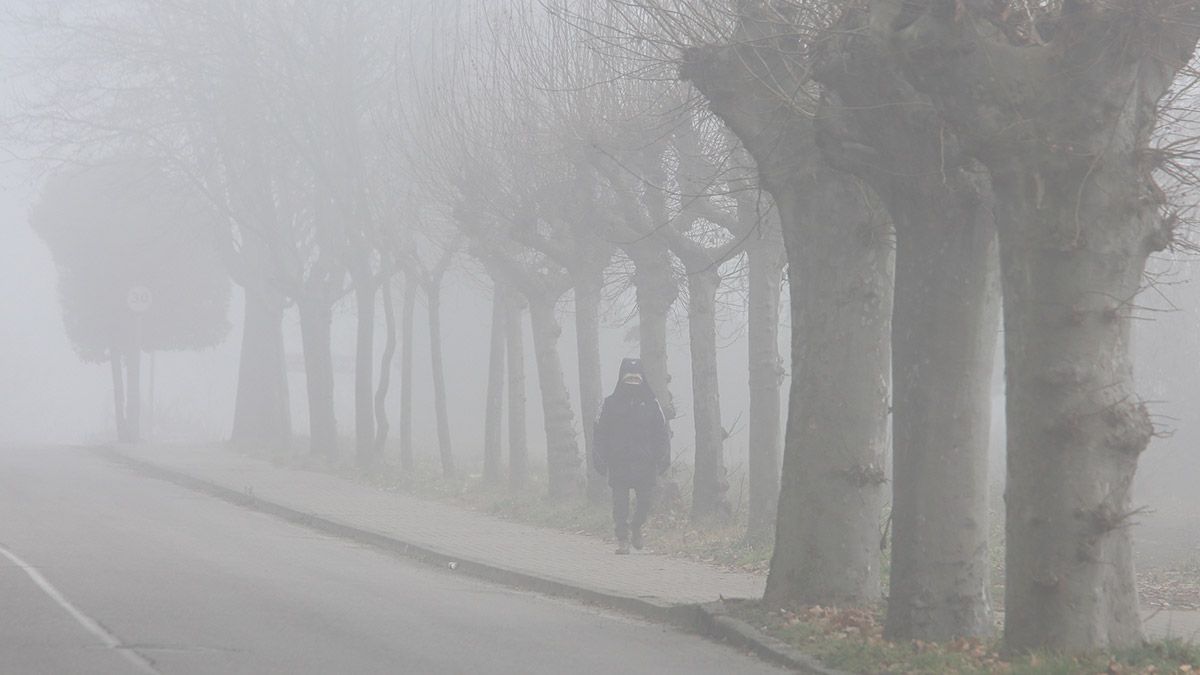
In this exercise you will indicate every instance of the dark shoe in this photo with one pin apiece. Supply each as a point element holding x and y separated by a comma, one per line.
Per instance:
<point>622,547</point>
<point>636,539</point>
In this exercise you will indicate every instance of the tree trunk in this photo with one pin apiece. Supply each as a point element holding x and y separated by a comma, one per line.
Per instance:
<point>383,426</point>
<point>315,320</point>
<point>518,445</point>
<point>364,373</point>
<point>406,375</point>
<point>943,338</point>
<point>943,345</point>
<point>562,450</point>
<point>1067,132</point>
<point>151,382</point>
<point>133,386</point>
<point>709,479</point>
<point>827,534</point>
<point>118,378</point>
<point>591,388</point>
<point>433,293</point>
<point>262,413</point>
<point>493,450</point>
<point>840,276</point>
<point>766,259</point>
<point>1072,261</point>
<point>656,291</point>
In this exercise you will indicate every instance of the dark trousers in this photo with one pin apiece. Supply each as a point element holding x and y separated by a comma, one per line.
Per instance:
<point>645,495</point>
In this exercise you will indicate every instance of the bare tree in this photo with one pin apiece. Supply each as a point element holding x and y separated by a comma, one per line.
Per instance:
<point>943,329</point>
<point>839,253</point>
<point>1064,126</point>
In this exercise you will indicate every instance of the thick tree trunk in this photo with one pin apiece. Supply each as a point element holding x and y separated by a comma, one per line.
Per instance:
<point>262,410</point>
<point>518,443</point>
<point>433,293</point>
<point>406,374</point>
<point>840,262</point>
<point>493,449</point>
<point>383,425</point>
<point>766,259</point>
<point>943,338</point>
<point>943,344</point>
<point>1066,131</point>
<point>827,535</point>
<point>118,380</point>
<point>709,479</point>
<point>562,449</point>
<point>656,291</point>
<point>1072,261</point>
<point>364,373</point>
<point>591,388</point>
<point>315,320</point>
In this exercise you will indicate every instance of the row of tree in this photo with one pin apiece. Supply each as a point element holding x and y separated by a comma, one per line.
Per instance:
<point>913,157</point>
<point>1009,139</point>
<point>333,162</point>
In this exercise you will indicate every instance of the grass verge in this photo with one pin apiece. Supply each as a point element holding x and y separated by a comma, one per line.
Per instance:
<point>852,640</point>
<point>720,541</point>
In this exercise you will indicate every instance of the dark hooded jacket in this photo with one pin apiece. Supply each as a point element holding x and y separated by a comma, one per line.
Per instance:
<point>632,440</point>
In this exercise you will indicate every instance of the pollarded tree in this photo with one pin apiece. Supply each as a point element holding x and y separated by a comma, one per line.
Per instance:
<point>122,226</point>
<point>554,77</point>
<point>336,89</point>
<point>1061,105</point>
<point>874,124</point>
<point>839,254</point>
<point>684,190</point>
<point>430,277</point>
<point>480,156</point>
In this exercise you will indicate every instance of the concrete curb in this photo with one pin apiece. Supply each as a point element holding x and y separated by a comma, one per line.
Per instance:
<point>710,619</point>
<point>718,624</point>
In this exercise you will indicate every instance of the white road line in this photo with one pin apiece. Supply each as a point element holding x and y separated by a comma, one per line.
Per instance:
<point>89,624</point>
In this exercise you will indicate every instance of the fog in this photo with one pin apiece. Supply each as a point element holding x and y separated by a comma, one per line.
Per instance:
<point>877,318</point>
<point>51,397</point>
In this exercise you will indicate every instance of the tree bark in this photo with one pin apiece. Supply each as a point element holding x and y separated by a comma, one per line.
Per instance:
<point>365,291</point>
<point>562,449</point>
<point>407,464</point>
<point>591,388</point>
<point>518,445</point>
<point>1076,427</point>
<point>709,478</point>
<point>766,260</point>
<point>383,425</point>
<point>493,450</point>
<point>840,262</point>
<point>943,335</point>
<point>943,344</point>
<point>433,294</point>
<point>827,533</point>
<point>1065,129</point>
<point>315,319</point>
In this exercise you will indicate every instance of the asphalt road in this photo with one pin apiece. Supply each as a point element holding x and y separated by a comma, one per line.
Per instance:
<point>105,571</point>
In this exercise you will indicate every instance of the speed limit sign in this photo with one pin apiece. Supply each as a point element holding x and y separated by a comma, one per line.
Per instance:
<point>139,299</point>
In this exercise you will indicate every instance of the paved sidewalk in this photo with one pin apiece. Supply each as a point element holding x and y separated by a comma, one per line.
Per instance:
<point>458,533</point>
<point>455,533</point>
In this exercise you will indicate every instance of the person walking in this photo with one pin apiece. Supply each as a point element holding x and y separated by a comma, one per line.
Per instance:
<point>632,446</point>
